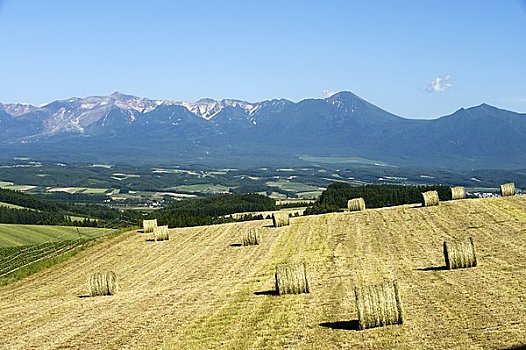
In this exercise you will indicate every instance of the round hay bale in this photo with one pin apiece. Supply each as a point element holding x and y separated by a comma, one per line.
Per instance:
<point>102,283</point>
<point>149,225</point>
<point>160,233</point>
<point>280,219</point>
<point>251,237</point>
<point>457,192</point>
<point>460,254</point>
<point>378,305</point>
<point>430,198</point>
<point>292,279</point>
<point>356,204</point>
<point>507,189</point>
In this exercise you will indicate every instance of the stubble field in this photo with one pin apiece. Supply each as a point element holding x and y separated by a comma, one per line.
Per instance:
<point>200,290</point>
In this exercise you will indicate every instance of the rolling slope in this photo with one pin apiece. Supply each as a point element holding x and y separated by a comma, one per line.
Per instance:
<point>12,235</point>
<point>197,291</point>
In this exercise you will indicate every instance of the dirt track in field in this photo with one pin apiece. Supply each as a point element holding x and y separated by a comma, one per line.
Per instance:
<point>196,291</point>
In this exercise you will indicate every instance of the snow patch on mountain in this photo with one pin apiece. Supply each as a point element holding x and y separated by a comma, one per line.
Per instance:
<point>208,108</point>
<point>141,105</point>
<point>63,120</point>
<point>17,109</point>
<point>77,114</point>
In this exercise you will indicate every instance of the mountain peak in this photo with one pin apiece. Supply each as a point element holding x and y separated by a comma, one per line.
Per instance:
<point>483,107</point>
<point>116,95</point>
<point>344,96</point>
<point>480,136</point>
<point>205,100</point>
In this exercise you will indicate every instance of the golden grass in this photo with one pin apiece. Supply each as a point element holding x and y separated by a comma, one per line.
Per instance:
<point>292,279</point>
<point>378,305</point>
<point>356,204</point>
<point>460,254</point>
<point>196,292</point>
<point>102,283</point>
<point>430,198</point>
<point>280,219</point>
<point>457,192</point>
<point>507,189</point>
<point>149,225</point>
<point>251,236</point>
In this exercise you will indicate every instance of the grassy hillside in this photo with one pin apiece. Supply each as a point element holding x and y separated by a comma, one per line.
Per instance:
<point>18,235</point>
<point>200,291</point>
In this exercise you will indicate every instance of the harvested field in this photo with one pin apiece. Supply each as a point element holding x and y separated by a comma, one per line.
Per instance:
<point>196,292</point>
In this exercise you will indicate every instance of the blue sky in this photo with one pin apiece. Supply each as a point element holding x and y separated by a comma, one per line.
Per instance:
<point>418,59</point>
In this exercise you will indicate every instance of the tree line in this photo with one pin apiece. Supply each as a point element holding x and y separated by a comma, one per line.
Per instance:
<point>28,216</point>
<point>335,197</point>
<point>212,210</point>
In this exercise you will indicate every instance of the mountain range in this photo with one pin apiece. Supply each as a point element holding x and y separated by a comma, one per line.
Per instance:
<point>343,128</point>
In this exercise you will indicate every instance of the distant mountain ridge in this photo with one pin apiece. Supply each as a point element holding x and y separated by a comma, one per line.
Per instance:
<point>125,128</point>
<point>74,114</point>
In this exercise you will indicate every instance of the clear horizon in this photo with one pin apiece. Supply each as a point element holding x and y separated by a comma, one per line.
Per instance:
<point>420,60</point>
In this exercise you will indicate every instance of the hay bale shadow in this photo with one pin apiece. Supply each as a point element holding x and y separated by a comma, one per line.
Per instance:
<point>433,268</point>
<point>352,325</point>
<point>82,296</point>
<point>236,245</point>
<point>420,206</point>
<point>267,292</point>
<point>518,347</point>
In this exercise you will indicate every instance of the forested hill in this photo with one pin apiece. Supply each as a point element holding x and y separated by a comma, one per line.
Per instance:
<point>27,201</point>
<point>337,194</point>
<point>192,212</point>
<point>211,210</point>
<point>43,212</point>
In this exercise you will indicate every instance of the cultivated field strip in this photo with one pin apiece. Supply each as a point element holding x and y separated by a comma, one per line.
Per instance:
<point>196,291</point>
<point>12,235</point>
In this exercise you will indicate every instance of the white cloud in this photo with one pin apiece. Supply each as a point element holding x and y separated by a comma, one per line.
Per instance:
<point>439,84</point>
<point>328,93</point>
